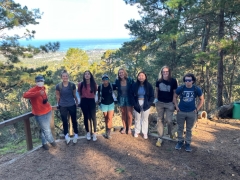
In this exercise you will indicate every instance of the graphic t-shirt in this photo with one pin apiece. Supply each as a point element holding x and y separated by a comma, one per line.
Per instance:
<point>187,100</point>
<point>66,95</point>
<point>106,94</point>
<point>165,90</point>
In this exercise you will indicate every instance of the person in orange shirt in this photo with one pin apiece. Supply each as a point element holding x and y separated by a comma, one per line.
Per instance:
<point>42,110</point>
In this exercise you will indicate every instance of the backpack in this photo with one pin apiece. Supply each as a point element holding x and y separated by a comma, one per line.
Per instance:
<point>181,92</point>
<point>60,85</point>
<point>100,93</point>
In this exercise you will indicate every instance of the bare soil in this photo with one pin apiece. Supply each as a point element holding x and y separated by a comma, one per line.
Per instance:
<point>215,155</point>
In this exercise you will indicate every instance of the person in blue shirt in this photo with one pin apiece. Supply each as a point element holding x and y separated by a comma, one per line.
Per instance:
<point>142,97</point>
<point>187,109</point>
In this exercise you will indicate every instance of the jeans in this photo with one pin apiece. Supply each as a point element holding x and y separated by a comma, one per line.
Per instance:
<point>190,119</point>
<point>162,108</point>
<point>141,120</point>
<point>44,123</point>
<point>64,115</point>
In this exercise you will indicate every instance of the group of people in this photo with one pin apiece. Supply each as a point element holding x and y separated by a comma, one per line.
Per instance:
<point>133,97</point>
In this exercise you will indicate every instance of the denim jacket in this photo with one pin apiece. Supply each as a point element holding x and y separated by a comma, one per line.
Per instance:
<point>130,81</point>
<point>148,98</point>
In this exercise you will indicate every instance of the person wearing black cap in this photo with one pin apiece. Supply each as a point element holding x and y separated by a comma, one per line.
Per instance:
<point>106,102</point>
<point>42,110</point>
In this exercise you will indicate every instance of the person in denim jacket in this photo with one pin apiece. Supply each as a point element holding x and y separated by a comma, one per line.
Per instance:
<point>142,96</point>
<point>123,86</point>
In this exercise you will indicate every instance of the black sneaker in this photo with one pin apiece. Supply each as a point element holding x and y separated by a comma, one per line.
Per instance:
<point>54,144</point>
<point>179,145</point>
<point>45,147</point>
<point>188,147</point>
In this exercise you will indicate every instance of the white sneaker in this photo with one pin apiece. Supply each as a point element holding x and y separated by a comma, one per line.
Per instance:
<point>75,138</point>
<point>145,136</point>
<point>88,136</point>
<point>67,139</point>
<point>94,137</point>
<point>135,135</point>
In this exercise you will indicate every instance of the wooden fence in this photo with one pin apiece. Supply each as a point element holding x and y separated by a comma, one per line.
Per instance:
<point>26,120</point>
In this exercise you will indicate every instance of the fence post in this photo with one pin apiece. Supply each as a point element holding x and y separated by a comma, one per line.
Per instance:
<point>28,134</point>
<point>52,126</point>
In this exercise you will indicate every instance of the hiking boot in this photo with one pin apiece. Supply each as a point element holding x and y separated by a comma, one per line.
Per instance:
<point>67,139</point>
<point>159,142</point>
<point>145,136</point>
<point>94,137</point>
<point>179,145</point>
<point>75,138</point>
<point>188,147</point>
<point>45,147</point>
<point>54,144</point>
<point>88,136</point>
<point>108,134</point>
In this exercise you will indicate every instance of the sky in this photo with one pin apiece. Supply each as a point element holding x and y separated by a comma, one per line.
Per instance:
<point>81,19</point>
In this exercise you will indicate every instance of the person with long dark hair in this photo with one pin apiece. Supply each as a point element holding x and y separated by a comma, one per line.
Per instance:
<point>142,97</point>
<point>106,102</point>
<point>87,90</point>
<point>124,84</point>
<point>165,89</point>
<point>67,103</point>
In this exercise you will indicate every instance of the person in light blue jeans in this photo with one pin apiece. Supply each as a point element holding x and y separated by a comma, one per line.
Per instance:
<point>187,109</point>
<point>44,123</point>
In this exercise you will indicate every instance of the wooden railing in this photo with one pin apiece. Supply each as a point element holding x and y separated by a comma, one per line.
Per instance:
<point>27,129</point>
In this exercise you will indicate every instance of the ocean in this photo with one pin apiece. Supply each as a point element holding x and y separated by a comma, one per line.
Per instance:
<point>84,44</point>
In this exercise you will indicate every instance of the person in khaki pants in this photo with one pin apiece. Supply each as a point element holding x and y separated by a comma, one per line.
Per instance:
<point>165,89</point>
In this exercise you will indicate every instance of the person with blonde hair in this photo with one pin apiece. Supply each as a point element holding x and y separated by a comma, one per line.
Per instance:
<point>67,103</point>
<point>123,85</point>
<point>164,91</point>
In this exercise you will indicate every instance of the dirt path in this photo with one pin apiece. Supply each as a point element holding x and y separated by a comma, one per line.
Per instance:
<point>215,155</point>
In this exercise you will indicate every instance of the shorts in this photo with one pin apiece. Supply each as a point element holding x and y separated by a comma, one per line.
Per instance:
<point>124,101</point>
<point>106,108</point>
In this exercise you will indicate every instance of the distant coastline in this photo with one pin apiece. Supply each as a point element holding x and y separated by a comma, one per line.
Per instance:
<point>85,44</point>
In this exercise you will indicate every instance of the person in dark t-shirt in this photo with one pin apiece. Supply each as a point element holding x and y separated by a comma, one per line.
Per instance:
<point>106,102</point>
<point>165,89</point>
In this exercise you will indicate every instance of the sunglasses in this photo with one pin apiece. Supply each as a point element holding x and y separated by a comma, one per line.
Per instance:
<point>188,80</point>
<point>40,81</point>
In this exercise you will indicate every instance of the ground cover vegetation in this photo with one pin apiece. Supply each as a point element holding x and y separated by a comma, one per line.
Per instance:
<point>201,37</point>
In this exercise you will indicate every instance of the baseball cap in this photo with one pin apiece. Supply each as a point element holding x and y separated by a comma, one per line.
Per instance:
<point>105,77</point>
<point>39,78</point>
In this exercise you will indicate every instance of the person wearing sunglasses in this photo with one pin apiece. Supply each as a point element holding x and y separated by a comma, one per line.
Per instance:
<point>164,91</point>
<point>187,109</point>
<point>42,110</point>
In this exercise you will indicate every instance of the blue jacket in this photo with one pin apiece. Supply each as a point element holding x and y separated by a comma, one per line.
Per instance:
<point>148,98</point>
<point>130,81</point>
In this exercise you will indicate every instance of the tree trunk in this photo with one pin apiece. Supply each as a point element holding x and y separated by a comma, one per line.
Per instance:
<point>220,62</point>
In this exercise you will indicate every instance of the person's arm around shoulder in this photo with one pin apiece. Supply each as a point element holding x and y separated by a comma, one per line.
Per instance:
<point>201,99</point>
<point>156,93</point>
<point>74,94</point>
<point>57,93</point>
<point>151,95</point>
<point>175,97</point>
